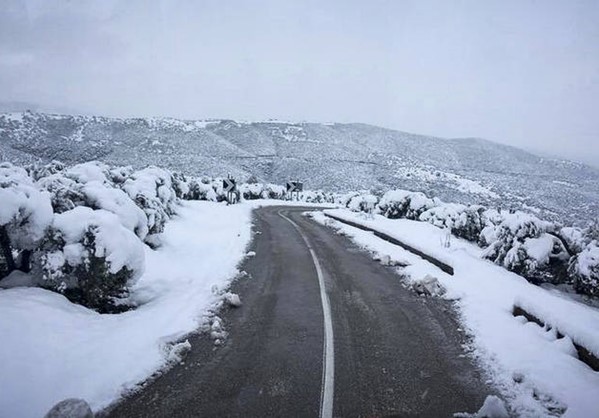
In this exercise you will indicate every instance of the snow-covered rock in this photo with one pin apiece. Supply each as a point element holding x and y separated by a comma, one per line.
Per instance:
<point>232,299</point>
<point>429,286</point>
<point>70,408</point>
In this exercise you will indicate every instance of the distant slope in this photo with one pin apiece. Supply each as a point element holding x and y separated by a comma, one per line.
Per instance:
<point>330,156</point>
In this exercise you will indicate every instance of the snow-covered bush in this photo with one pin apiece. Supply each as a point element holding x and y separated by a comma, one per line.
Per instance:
<point>584,269</point>
<point>365,202</point>
<point>100,196</point>
<point>181,185</point>
<point>46,170</point>
<point>251,191</point>
<point>90,171</point>
<point>25,213</point>
<point>316,196</point>
<point>90,257</point>
<point>471,223</point>
<point>493,219</point>
<point>204,189</point>
<point>66,194</point>
<point>591,232</point>
<point>464,221</point>
<point>573,238</point>
<point>273,191</point>
<point>397,204</point>
<point>152,190</point>
<point>118,175</point>
<point>524,246</point>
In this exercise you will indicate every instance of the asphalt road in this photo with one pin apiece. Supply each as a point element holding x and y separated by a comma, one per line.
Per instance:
<point>391,353</point>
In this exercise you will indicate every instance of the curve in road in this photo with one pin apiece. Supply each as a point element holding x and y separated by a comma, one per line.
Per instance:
<point>394,353</point>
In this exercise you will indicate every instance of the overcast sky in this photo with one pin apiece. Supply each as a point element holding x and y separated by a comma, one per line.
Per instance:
<point>525,73</point>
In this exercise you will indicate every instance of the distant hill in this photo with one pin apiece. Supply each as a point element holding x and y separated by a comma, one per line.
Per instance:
<point>330,156</point>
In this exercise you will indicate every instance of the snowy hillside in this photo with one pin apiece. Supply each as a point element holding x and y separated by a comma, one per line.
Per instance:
<point>330,156</point>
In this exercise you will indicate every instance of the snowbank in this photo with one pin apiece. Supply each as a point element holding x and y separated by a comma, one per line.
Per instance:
<point>535,371</point>
<point>53,349</point>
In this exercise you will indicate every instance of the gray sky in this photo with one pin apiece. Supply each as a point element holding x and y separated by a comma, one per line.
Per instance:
<point>525,73</point>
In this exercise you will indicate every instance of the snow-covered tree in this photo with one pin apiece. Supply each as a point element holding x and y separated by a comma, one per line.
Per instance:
<point>25,213</point>
<point>90,257</point>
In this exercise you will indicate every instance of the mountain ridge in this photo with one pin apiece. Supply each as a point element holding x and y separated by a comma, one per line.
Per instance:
<point>333,156</point>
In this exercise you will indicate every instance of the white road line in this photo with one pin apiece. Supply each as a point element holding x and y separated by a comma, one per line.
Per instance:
<point>328,356</point>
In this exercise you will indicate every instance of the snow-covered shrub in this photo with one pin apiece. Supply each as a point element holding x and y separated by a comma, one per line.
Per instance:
<point>524,246</point>
<point>584,269</point>
<point>205,189</point>
<point>344,199</point>
<point>25,213</point>
<point>397,204</point>
<point>65,193</point>
<point>37,172</point>
<point>273,191</point>
<point>471,223</point>
<point>152,190</point>
<point>251,191</point>
<point>493,219</point>
<point>446,215</point>
<point>181,185</point>
<point>90,257</point>
<point>316,196</point>
<point>100,196</point>
<point>573,238</point>
<point>464,221</point>
<point>591,232</point>
<point>363,203</point>
<point>90,171</point>
<point>118,175</point>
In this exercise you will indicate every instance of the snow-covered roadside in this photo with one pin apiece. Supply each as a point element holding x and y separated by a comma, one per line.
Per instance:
<point>536,372</point>
<point>52,349</point>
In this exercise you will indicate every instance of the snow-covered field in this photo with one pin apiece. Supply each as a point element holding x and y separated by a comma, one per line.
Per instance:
<point>536,372</point>
<point>52,349</point>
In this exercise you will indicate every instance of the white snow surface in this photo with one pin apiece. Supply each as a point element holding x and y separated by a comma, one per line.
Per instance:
<point>53,349</point>
<point>511,349</point>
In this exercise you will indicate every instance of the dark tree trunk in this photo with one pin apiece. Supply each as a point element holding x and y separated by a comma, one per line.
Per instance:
<point>6,250</point>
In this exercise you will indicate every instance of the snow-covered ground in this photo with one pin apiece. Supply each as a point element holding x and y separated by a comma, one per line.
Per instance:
<point>537,373</point>
<point>52,349</point>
